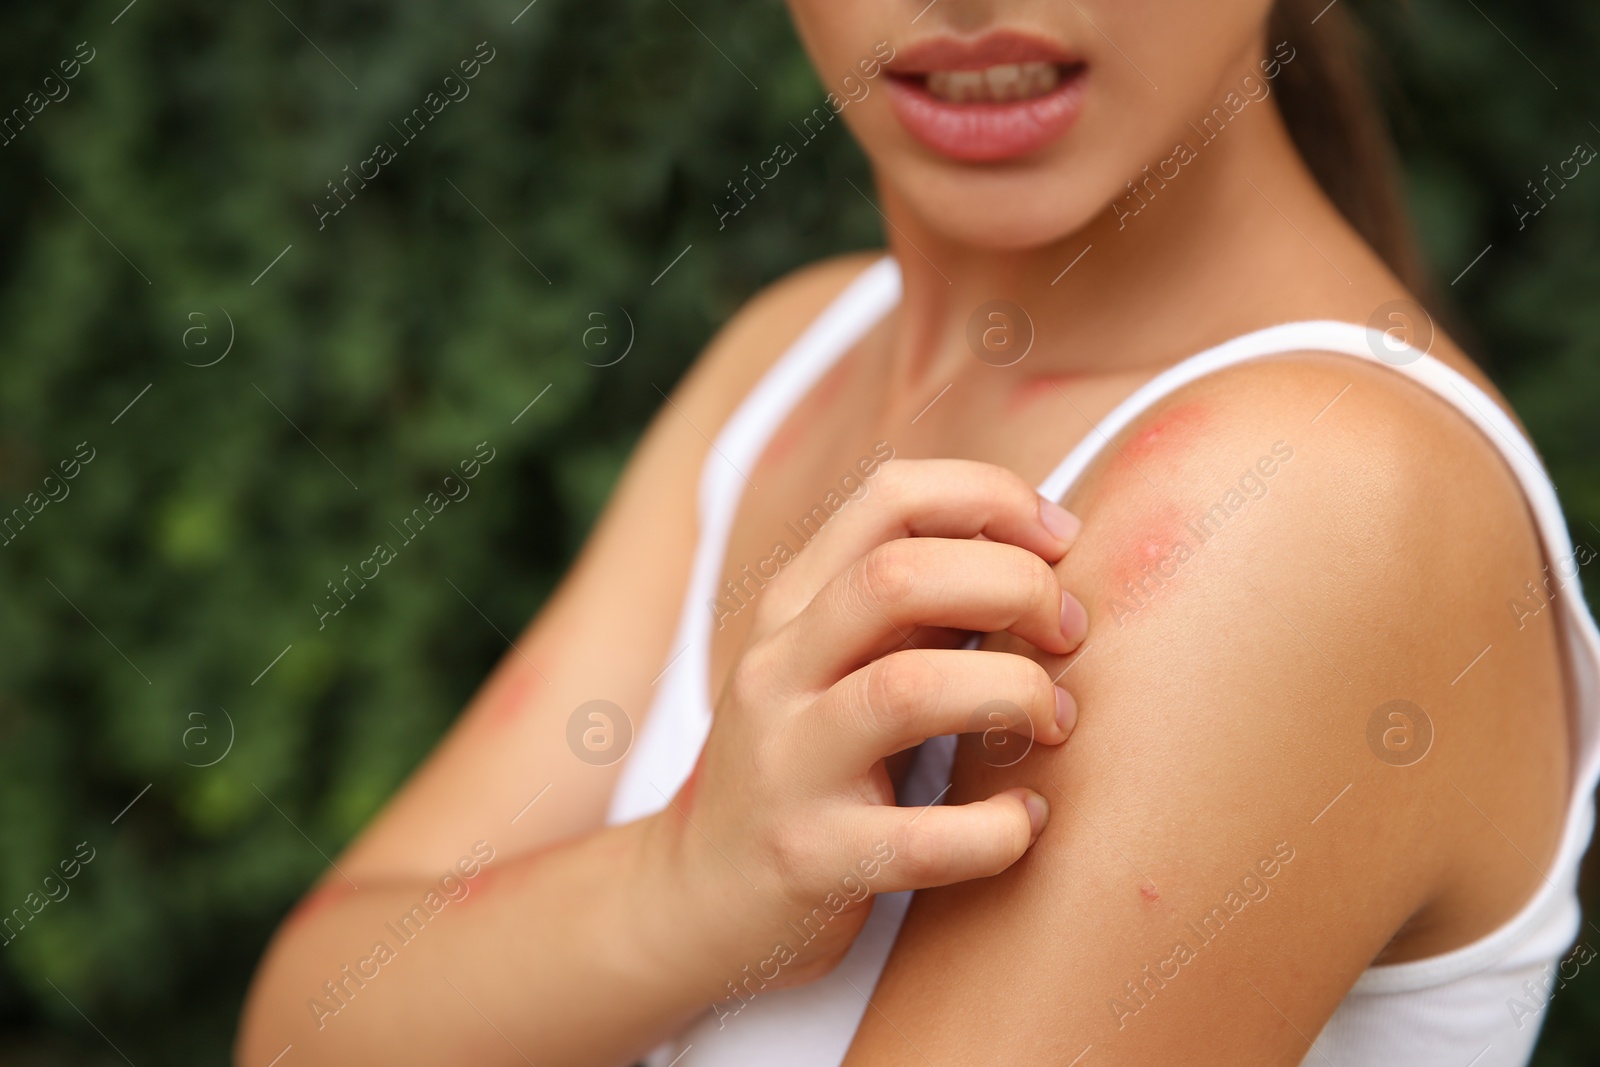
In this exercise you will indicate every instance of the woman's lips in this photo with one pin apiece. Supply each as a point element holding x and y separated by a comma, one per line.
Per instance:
<point>986,131</point>
<point>996,97</point>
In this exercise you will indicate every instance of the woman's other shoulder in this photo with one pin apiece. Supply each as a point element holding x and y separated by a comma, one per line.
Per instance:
<point>763,328</point>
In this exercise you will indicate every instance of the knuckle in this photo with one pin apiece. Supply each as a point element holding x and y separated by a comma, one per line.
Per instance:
<point>885,574</point>
<point>748,679</point>
<point>895,688</point>
<point>995,488</point>
<point>794,855</point>
<point>1003,482</point>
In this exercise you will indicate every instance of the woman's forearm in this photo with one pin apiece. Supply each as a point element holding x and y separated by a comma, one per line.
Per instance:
<point>574,955</point>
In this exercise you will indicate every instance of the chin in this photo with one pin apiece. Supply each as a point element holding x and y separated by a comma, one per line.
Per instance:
<point>1010,210</point>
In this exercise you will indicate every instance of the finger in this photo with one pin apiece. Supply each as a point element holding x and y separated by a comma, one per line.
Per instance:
<point>875,605</point>
<point>918,498</point>
<point>937,846</point>
<point>907,697</point>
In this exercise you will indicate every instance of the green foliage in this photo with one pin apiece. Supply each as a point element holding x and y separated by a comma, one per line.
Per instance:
<point>453,290</point>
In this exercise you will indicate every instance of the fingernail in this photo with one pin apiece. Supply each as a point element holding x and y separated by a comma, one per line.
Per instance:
<point>1066,710</point>
<point>1061,523</point>
<point>1038,811</point>
<point>1074,619</point>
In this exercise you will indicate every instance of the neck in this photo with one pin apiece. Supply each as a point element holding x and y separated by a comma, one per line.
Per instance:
<point>1164,265</point>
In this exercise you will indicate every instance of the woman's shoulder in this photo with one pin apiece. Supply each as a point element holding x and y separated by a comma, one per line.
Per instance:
<point>763,328</point>
<point>1330,540</point>
<point>1399,456</point>
<point>1337,477</point>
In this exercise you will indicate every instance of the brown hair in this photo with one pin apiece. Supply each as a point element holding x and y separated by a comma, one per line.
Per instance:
<point>1336,124</point>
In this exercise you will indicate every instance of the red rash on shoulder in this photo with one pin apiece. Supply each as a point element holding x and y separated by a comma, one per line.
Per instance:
<point>497,871</point>
<point>683,801</point>
<point>685,798</point>
<point>1159,542</point>
<point>319,899</point>
<point>510,693</point>
<point>478,883</point>
<point>1150,893</point>
<point>1172,428</point>
<point>1151,543</point>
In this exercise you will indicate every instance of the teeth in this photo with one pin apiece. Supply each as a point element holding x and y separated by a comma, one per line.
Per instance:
<point>1006,81</point>
<point>958,86</point>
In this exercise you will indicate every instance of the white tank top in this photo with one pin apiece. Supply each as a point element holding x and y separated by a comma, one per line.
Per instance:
<point>1474,1005</point>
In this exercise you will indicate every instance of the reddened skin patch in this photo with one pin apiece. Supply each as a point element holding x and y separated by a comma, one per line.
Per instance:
<point>319,899</point>
<point>1147,561</point>
<point>512,694</point>
<point>1036,389</point>
<point>1172,429</point>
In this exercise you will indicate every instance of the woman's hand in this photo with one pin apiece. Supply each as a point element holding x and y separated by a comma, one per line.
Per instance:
<point>789,821</point>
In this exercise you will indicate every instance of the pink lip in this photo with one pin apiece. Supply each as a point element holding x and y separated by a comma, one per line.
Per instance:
<point>984,132</point>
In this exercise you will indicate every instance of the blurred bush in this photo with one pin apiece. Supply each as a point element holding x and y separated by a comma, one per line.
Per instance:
<point>163,207</point>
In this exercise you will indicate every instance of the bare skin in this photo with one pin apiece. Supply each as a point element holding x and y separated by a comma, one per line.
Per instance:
<point>1209,726</point>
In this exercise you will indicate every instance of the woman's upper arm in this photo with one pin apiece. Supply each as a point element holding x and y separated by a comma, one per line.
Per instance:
<point>1227,849</point>
<point>603,634</point>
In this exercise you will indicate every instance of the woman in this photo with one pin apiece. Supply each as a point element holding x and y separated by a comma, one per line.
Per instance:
<point>1281,754</point>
